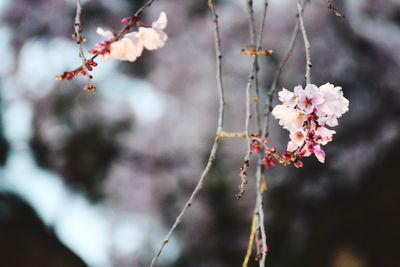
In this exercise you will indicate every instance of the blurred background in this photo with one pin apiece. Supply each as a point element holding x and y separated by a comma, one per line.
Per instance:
<point>97,179</point>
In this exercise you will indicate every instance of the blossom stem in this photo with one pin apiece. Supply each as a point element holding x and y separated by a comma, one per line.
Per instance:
<point>146,5</point>
<point>278,74</point>
<point>306,42</point>
<point>214,148</point>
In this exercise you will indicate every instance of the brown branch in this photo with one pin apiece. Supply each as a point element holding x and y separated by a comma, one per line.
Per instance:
<point>214,148</point>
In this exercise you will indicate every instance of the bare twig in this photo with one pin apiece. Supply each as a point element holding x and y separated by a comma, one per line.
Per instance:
<point>78,39</point>
<point>223,135</point>
<point>306,42</point>
<point>214,148</point>
<point>278,73</point>
<point>258,209</point>
<point>146,5</point>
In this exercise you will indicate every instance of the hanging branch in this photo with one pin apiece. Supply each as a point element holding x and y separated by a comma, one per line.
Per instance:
<point>146,5</point>
<point>214,148</point>
<point>259,203</point>
<point>278,73</point>
<point>254,51</point>
<point>258,227</point>
<point>306,42</point>
<point>88,64</point>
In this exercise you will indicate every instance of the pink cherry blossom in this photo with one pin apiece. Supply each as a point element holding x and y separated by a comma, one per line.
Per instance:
<point>298,137</point>
<point>308,98</point>
<point>305,113</point>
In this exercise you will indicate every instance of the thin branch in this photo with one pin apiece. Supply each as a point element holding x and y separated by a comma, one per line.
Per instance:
<point>146,5</point>
<point>306,42</point>
<point>222,135</point>
<point>78,39</point>
<point>278,73</point>
<point>258,209</point>
<point>259,202</point>
<point>214,148</point>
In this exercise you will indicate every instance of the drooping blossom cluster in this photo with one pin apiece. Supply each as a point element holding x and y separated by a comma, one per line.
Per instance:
<point>125,45</point>
<point>306,114</point>
<point>131,45</point>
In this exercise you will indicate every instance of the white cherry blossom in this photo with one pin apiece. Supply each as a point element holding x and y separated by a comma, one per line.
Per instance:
<point>131,45</point>
<point>289,118</point>
<point>128,48</point>
<point>154,37</point>
<point>287,98</point>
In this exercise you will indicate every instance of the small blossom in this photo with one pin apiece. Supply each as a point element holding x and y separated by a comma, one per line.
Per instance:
<point>131,45</point>
<point>334,106</point>
<point>289,118</point>
<point>308,98</point>
<point>298,137</point>
<point>154,37</point>
<point>287,98</point>
<point>128,48</point>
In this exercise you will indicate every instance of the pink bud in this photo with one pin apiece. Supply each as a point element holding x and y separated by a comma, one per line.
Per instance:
<point>126,21</point>
<point>298,164</point>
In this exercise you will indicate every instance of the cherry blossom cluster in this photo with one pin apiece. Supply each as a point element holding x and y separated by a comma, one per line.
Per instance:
<point>306,113</point>
<point>126,45</point>
<point>131,45</point>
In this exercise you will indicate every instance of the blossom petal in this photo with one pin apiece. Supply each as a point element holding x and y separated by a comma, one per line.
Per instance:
<point>135,48</point>
<point>150,38</point>
<point>161,22</point>
<point>104,33</point>
<point>319,153</point>
<point>117,50</point>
